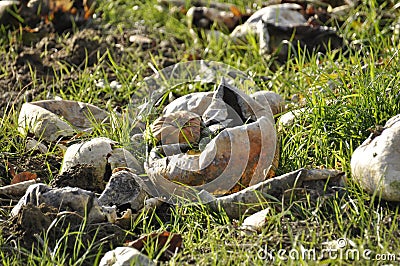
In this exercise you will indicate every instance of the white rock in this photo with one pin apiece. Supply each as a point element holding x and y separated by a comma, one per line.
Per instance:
<point>140,40</point>
<point>286,14</point>
<point>18,189</point>
<point>102,153</point>
<point>256,221</point>
<point>288,119</point>
<point>375,165</point>
<point>125,256</point>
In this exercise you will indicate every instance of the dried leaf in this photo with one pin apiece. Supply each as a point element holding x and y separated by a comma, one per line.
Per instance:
<point>63,5</point>
<point>24,176</point>
<point>236,12</point>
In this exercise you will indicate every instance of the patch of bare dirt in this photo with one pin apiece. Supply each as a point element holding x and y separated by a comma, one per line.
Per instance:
<point>44,166</point>
<point>37,61</point>
<point>81,176</point>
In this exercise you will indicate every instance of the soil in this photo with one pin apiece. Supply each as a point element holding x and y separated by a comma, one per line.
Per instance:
<point>33,68</point>
<point>43,51</point>
<point>44,166</point>
<point>81,176</point>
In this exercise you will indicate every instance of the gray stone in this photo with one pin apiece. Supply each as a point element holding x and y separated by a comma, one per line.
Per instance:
<point>248,199</point>
<point>285,15</point>
<point>289,118</point>
<point>240,153</point>
<point>76,200</point>
<point>124,189</point>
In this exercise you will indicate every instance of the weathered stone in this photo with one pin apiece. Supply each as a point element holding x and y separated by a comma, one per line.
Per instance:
<point>283,26</point>
<point>77,200</point>
<point>16,190</point>
<point>142,41</point>
<point>81,176</point>
<point>248,200</point>
<point>32,144</point>
<point>231,107</point>
<point>286,15</point>
<point>125,190</point>
<point>256,221</point>
<point>289,118</point>
<point>54,119</point>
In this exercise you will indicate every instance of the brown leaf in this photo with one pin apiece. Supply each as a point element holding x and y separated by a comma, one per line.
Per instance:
<point>24,176</point>
<point>236,12</point>
<point>172,243</point>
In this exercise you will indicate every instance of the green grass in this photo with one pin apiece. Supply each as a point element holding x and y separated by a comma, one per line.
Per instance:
<point>346,95</point>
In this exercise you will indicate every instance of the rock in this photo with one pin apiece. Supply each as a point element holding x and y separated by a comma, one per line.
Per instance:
<point>29,223</point>
<point>125,256</point>
<point>53,119</point>
<point>286,15</point>
<point>142,41</point>
<point>101,153</point>
<point>375,164</point>
<point>256,221</point>
<point>77,200</point>
<point>231,107</point>
<point>248,200</point>
<point>32,144</point>
<point>16,190</point>
<point>125,190</point>
<point>168,243</point>
<point>283,26</point>
<point>206,17</point>
<point>274,100</point>
<point>289,118</point>
<point>177,127</point>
